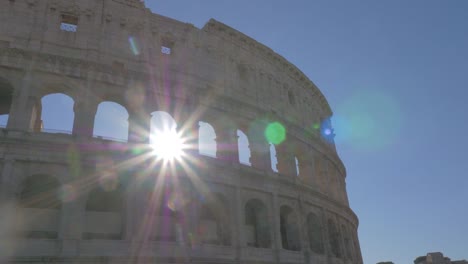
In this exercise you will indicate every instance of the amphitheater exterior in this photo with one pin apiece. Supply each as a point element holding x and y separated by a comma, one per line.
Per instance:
<point>74,197</point>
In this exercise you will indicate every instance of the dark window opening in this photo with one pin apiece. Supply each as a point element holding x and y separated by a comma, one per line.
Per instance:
<point>69,23</point>
<point>314,233</point>
<point>39,208</point>
<point>6,97</point>
<point>167,46</point>
<point>289,229</point>
<point>257,227</point>
<point>334,237</point>
<point>214,221</point>
<point>104,214</point>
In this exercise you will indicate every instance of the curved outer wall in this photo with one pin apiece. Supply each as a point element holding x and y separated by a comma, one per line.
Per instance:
<point>215,75</point>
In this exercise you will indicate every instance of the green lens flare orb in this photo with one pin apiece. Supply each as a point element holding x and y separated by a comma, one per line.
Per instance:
<point>275,133</point>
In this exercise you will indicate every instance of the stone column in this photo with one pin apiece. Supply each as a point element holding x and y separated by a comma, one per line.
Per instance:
<point>259,147</point>
<point>6,185</point>
<point>286,161</point>
<point>139,124</point>
<point>239,235</point>
<point>71,224</point>
<point>7,200</point>
<point>23,115</point>
<point>85,113</point>
<point>277,245</point>
<point>226,142</point>
<point>326,235</point>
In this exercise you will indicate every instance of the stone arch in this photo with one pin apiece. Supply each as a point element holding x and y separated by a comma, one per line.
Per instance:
<point>111,121</point>
<point>39,207</point>
<point>314,233</point>
<point>207,145</point>
<point>243,148</point>
<point>256,224</point>
<point>6,100</point>
<point>104,214</point>
<point>161,121</point>
<point>57,113</point>
<point>289,229</point>
<point>214,225</point>
<point>334,238</point>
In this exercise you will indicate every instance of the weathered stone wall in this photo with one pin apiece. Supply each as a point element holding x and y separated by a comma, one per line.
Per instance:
<point>214,74</point>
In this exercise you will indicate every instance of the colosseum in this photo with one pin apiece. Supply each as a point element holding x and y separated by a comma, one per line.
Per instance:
<point>258,178</point>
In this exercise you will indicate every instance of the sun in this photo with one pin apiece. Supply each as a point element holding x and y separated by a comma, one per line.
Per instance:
<point>167,144</point>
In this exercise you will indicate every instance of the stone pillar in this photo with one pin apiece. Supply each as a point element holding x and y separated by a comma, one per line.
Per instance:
<point>277,245</point>
<point>259,147</point>
<point>6,181</point>
<point>71,225</point>
<point>286,161</point>
<point>85,113</point>
<point>139,124</point>
<point>7,200</point>
<point>226,142</point>
<point>260,155</point>
<point>23,115</point>
<point>326,235</point>
<point>239,234</point>
<point>190,136</point>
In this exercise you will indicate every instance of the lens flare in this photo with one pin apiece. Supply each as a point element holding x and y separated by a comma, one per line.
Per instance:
<point>275,133</point>
<point>368,120</point>
<point>167,144</point>
<point>133,46</point>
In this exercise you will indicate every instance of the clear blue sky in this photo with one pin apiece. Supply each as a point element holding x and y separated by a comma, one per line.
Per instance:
<point>395,73</point>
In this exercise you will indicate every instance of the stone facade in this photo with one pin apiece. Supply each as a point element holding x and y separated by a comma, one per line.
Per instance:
<point>54,208</point>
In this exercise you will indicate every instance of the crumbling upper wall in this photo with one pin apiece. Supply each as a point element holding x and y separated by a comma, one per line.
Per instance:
<point>127,33</point>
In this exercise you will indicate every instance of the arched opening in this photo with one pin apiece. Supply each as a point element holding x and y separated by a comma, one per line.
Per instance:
<point>273,158</point>
<point>334,238</point>
<point>243,148</point>
<point>314,234</point>
<point>57,113</point>
<point>111,122</point>
<point>289,229</point>
<point>206,140</point>
<point>104,218</point>
<point>296,161</point>
<point>214,226</point>
<point>257,228</point>
<point>6,98</point>
<point>161,121</point>
<point>164,137</point>
<point>39,208</point>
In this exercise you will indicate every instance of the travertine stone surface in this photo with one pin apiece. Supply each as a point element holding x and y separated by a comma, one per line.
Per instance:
<point>116,50</point>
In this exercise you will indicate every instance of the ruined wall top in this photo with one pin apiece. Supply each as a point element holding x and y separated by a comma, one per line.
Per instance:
<point>124,39</point>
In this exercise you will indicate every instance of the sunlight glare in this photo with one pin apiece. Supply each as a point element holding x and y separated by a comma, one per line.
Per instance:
<point>167,144</point>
